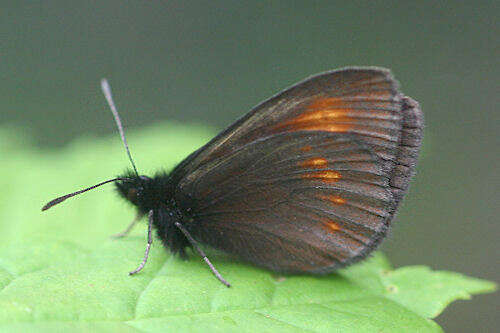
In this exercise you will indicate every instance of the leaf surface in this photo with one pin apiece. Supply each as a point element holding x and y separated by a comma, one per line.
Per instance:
<point>59,270</point>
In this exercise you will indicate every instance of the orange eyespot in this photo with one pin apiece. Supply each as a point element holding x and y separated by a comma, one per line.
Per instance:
<point>338,200</point>
<point>339,128</point>
<point>327,102</point>
<point>333,198</point>
<point>328,176</point>
<point>323,114</point>
<point>331,226</point>
<point>315,162</point>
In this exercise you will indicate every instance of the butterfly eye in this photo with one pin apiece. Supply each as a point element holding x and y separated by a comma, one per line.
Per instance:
<point>140,191</point>
<point>133,194</point>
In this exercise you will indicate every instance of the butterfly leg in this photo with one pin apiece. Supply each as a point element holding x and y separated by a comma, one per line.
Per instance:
<point>148,246</point>
<point>200,251</point>
<point>183,255</point>
<point>129,228</point>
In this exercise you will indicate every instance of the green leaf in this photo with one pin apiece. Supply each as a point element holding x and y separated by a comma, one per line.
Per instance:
<point>59,270</point>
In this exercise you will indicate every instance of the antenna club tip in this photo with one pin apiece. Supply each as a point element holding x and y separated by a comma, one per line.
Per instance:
<point>104,82</point>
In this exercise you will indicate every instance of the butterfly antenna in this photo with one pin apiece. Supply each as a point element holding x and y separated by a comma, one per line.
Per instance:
<point>67,196</point>
<point>106,90</point>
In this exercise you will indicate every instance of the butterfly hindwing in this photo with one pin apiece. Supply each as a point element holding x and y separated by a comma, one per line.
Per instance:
<point>294,202</point>
<point>309,180</point>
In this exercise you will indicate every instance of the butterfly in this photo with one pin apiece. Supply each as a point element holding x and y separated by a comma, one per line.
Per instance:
<point>307,182</point>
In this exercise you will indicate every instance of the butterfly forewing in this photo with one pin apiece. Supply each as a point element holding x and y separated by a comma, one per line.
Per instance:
<point>309,180</point>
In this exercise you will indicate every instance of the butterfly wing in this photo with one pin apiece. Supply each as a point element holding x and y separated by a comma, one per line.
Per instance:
<point>309,180</point>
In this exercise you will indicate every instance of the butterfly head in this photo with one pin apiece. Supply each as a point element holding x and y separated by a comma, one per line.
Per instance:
<point>138,190</point>
<point>144,192</point>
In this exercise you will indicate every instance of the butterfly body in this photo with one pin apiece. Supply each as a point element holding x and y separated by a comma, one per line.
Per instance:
<point>156,194</point>
<point>307,182</point>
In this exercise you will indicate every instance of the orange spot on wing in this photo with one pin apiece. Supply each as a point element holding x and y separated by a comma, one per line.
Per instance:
<point>338,200</point>
<point>323,114</point>
<point>333,198</point>
<point>328,176</point>
<point>328,127</point>
<point>306,148</point>
<point>315,162</point>
<point>327,102</point>
<point>331,225</point>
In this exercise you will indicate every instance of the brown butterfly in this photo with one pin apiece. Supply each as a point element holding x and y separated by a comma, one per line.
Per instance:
<point>306,182</point>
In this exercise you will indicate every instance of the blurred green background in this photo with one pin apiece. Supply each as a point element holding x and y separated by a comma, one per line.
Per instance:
<point>210,62</point>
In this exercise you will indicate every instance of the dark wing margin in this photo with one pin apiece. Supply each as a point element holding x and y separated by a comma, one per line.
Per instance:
<point>309,180</point>
<point>409,147</point>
